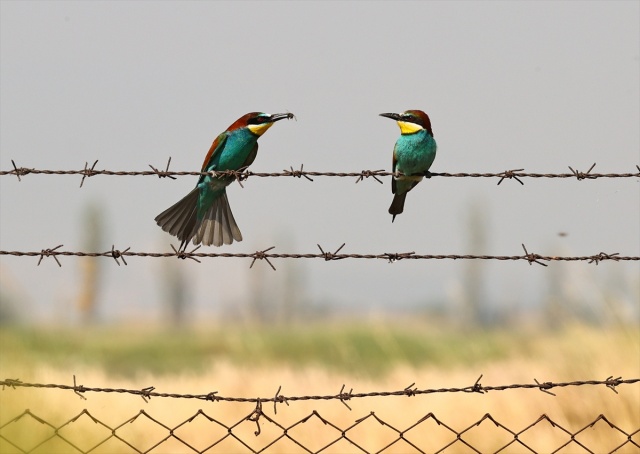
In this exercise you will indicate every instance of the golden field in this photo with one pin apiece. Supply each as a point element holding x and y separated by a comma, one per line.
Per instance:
<point>318,360</point>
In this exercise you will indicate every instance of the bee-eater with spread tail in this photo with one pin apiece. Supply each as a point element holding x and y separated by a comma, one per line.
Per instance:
<point>204,214</point>
<point>413,154</point>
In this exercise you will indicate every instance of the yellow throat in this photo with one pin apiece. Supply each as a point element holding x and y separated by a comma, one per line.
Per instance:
<point>259,129</point>
<point>408,127</point>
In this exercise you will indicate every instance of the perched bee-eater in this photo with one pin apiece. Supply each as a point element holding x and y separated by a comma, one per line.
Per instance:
<point>413,154</point>
<point>204,214</point>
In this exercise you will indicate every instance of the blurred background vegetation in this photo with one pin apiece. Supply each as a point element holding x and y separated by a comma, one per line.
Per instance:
<point>280,322</point>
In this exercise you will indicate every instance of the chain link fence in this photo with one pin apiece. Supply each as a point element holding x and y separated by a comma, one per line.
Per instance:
<point>208,432</point>
<point>214,431</point>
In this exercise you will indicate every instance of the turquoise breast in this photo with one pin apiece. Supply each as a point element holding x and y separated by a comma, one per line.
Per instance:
<point>236,149</point>
<point>415,152</point>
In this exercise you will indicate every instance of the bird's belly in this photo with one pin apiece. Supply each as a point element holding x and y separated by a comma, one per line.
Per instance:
<point>412,164</point>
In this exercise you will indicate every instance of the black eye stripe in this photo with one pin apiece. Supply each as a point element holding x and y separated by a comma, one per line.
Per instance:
<point>258,120</point>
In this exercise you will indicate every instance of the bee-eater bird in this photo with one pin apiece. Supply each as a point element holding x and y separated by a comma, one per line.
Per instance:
<point>204,214</point>
<point>413,154</point>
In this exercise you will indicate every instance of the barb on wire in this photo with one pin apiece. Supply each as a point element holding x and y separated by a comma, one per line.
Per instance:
<point>395,256</point>
<point>78,389</point>
<point>371,173</point>
<point>181,254</point>
<point>165,173</point>
<point>477,387</point>
<point>613,382</point>
<point>332,256</point>
<point>243,174</point>
<point>278,399</point>
<point>88,172</point>
<point>297,173</point>
<point>410,391</point>
<point>533,258</point>
<point>583,175</point>
<point>239,175</point>
<point>342,396</point>
<point>11,383</point>
<point>17,171</point>
<point>50,253</point>
<point>544,387</point>
<point>509,174</point>
<point>264,254</point>
<point>145,393</point>
<point>603,256</point>
<point>116,254</point>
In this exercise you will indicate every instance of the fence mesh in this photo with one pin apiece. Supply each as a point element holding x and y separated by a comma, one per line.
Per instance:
<point>263,429</point>
<point>257,432</point>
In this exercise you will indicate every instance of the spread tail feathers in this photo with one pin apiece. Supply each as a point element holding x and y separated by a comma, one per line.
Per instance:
<point>180,219</point>
<point>217,227</point>
<point>397,206</point>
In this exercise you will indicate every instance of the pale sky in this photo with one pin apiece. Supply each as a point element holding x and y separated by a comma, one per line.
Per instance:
<point>533,85</point>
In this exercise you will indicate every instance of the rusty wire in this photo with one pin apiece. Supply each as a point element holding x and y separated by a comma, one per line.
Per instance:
<point>409,439</point>
<point>264,254</point>
<point>343,396</point>
<point>241,175</point>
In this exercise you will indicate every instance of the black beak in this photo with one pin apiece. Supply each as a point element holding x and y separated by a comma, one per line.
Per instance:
<point>281,116</point>
<point>393,116</point>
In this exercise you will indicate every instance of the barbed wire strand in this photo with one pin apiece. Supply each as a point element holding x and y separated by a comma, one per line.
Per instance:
<point>343,396</point>
<point>241,175</point>
<point>391,257</point>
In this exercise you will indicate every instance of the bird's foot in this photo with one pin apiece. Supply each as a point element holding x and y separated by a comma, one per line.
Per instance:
<point>183,246</point>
